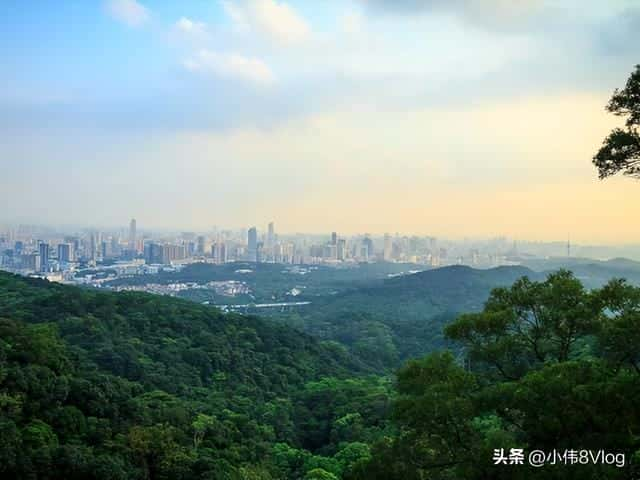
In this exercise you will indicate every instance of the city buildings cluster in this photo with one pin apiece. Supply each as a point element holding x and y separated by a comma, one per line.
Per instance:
<point>48,253</point>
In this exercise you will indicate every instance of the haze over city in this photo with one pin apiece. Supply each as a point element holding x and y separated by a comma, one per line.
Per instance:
<point>438,118</point>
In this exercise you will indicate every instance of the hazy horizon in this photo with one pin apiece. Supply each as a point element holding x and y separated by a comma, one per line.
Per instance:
<point>426,117</point>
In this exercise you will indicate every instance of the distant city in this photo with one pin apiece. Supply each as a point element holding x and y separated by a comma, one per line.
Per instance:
<point>93,256</point>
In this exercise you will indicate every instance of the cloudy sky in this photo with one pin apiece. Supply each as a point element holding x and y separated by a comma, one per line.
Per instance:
<point>446,117</point>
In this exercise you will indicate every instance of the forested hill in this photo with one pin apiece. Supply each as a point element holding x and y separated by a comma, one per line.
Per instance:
<point>129,385</point>
<point>154,340</point>
<point>403,317</point>
<point>452,289</point>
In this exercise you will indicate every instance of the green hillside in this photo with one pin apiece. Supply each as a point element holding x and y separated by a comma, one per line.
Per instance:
<point>548,389</point>
<point>131,386</point>
<point>387,322</point>
<point>104,385</point>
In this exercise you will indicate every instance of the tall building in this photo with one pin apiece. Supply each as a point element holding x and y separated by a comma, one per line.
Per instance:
<point>64,252</point>
<point>43,249</point>
<point>152,253</point>
<point>271,235</point>
<point>115,246</point>
<point>200,249</point>
<point>368,243</point>
<point>132,235</point>
<point>388,248</point>
<point>364,252</point>
<point>252,243</point>
<point>93,246</point>
<point>30,261</point>
<point>342,249</point>
<point>191,249</point>
<point>171,253</point>
<point>219,252</point>
<point>75,246</point>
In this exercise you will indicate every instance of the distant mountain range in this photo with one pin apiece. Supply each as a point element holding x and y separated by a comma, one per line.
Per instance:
<point>593,273</point>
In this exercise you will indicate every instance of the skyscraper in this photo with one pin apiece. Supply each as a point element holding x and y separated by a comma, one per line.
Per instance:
<point>252,243</point>
<point>201,241</point>
<point>219,252</point>
<point>64,252</point>
<point>342,249</point>
<point>132,235</point>
<point>152,253</point>
<point>334,238</point>
<point>368,243</point>
<point>93,247</point>
<point>43,249</point>
<point>271,235</point>
<point>388,246</point>
<point>171,252</point>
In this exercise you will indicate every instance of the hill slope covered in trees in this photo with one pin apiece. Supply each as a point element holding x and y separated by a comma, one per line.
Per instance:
<point>114,386</point>
<point>387,322</point>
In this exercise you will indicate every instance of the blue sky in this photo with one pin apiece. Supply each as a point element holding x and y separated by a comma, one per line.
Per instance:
<point>284,109</point>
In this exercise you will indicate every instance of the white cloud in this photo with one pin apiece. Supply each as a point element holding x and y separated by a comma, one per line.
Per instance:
<point>129,12</point>
<point>237,15</point>
<point>490,14</point>
<point>191,28</point>
<point>271,18</point>
<point>233,65</point>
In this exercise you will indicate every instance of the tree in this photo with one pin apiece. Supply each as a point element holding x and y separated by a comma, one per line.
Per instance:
<point>551,366</point>
<point>319,474</point>
<point>620,151</point>
<point>201,424</point>
<point>527,324</point>
<point>619,334</point>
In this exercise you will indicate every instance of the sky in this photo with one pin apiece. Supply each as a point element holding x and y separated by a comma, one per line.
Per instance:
<point>450,118</point>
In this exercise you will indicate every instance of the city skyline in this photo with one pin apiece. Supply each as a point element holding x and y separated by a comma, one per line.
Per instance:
<point>263,229</point>
<point>361,115</point>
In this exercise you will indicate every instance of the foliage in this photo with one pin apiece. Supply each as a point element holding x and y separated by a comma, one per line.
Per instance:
<point>133,386</point>
<point>389,322</point>
<point>113,386</point>
<point>548,365</point>
<point>620,151</point>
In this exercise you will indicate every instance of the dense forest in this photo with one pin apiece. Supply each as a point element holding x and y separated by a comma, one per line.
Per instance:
<point>388,322</point>
<point>549,366</point>
<point>382,320</point>
<point>103,385</point>
<point>128,385</point>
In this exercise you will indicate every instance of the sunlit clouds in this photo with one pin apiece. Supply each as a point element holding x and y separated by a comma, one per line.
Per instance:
<point>452,118</point>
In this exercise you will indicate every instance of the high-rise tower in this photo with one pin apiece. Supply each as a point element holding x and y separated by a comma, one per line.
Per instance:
<point>252,243</point>
<point>132,235</point>
<point>388,248</point>
<point>271,235</point>
<point>43,250</point>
